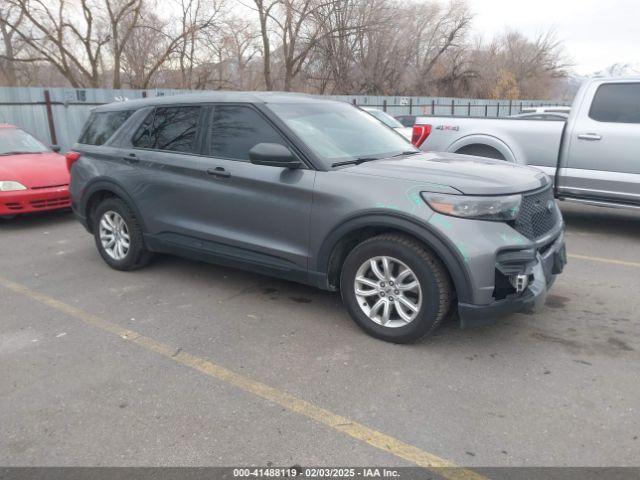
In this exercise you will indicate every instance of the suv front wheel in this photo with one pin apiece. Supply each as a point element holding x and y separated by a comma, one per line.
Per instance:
<point>395,289</point>
<point>118,236</point>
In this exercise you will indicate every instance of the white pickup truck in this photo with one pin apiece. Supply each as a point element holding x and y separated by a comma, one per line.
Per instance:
<point>594,156</point>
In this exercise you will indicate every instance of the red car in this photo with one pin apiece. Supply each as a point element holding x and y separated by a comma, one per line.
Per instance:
<point>33,178</point>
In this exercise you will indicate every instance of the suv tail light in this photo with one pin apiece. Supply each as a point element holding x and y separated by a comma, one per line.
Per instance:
<point>420,134</point>
<point>72,157</point>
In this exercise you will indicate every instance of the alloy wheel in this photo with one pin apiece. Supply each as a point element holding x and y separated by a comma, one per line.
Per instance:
<point>114,235</point>
<point>388,291</point>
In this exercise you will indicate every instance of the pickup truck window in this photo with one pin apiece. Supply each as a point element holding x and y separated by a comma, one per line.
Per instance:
<point>616,103</point>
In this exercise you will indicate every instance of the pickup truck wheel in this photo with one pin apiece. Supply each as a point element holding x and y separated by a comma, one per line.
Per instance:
<point>118,236</point>
<point>395,289</point>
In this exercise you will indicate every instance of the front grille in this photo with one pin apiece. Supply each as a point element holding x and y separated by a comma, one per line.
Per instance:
<point>13,206</point>
<point>536,218</point>
<point>51,202</point>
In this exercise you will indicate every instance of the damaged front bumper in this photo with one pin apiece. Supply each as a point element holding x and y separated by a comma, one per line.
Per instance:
<point>539,266</point>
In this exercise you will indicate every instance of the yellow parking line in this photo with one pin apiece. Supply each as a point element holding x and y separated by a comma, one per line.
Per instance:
<point>605,260</point>
<point>342,424</point>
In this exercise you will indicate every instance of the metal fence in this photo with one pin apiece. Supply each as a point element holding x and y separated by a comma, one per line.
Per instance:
<point>446,106</point>
<point>56,115</point>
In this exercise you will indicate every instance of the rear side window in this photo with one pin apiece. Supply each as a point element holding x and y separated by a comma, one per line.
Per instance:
<point>234,130</point>
<point>102,125</point>
<point>169,128</point>
<point>617,103</point>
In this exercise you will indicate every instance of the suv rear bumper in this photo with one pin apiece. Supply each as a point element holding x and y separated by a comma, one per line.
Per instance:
<point>549,265</point>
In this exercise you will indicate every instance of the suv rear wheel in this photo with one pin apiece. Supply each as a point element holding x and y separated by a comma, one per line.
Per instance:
<point>118,236</point>
<point>395,289</point>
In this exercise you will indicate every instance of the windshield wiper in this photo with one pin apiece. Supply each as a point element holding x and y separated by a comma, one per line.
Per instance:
<point>408,152</point>
<point>355,161</point>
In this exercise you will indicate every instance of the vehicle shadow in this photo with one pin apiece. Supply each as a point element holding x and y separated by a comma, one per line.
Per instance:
<point>599,220</point>
<point>36,220</point>
<point>302,301</point>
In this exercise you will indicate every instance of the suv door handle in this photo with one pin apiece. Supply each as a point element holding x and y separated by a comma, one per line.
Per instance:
<point>594,137</point>
<point>131,158</point>
<point>218,172</point>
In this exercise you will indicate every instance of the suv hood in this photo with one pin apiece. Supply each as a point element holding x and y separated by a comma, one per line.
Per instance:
<point>470,175</point>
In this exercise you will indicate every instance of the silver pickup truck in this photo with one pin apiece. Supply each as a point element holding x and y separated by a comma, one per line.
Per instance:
<point>594,156</point>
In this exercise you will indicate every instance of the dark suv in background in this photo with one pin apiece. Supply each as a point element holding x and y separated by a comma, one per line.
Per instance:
<point>321,193</point>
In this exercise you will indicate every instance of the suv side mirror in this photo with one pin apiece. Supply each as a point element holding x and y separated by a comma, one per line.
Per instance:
<point>55,148</point>
<point>273,155</point>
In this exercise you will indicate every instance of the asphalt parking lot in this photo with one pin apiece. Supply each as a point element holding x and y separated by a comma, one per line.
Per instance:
<point>184,363</point>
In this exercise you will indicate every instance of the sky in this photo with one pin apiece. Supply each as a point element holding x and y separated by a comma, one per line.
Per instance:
<point>596,33</point>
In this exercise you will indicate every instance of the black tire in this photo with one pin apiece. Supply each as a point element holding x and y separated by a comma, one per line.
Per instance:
<point>435,284</point>
<point>6,218</point>
<point>137,256</point>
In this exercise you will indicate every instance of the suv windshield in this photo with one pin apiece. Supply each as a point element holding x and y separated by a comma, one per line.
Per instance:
<point>338,132</point>
<point>14,141</point>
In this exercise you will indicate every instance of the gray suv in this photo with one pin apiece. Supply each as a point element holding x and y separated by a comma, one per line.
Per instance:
<point>321,193</point>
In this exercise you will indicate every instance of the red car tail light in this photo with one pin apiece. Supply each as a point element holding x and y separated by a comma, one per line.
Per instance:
<point>72,157</point>
<point>420,134</point>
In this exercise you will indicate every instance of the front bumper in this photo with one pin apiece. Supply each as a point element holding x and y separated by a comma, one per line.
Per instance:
<point>550,262</point>
<point>34,200</point>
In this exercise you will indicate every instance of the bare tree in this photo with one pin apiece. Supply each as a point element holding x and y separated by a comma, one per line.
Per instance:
<point>535,67</point>
<point>198,18</point>
<point>158,45</point>
<point>10,18</point>
<point>123,18</point>
<point>332,61</point>
<point>437,30</point>
<point>73,48</point>
<point>301,23</point>
<point>298,26</point>
<point>264,10</point>
<point>378,47</point>
<point>233,46</point>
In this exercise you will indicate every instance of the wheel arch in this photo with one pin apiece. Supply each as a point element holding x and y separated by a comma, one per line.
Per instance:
<point>98,191</point>
<point>485,141</point>
<point>346,236</point>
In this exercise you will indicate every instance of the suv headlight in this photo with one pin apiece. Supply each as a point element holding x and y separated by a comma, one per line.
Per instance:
<point>498,208</point>
<point>11,186</point>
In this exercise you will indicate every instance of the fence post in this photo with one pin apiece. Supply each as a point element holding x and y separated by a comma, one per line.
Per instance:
<point>384,105</point>
<point>410,106</point>
<point>144,94</point>
<point>469,110</point>
<point>453,108</point>
<point>353,101</point>
<point>498,110</point>
<point>510,105</point>
<point>486,110</point>
<point>433,106</point>
<point>52,126</point>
